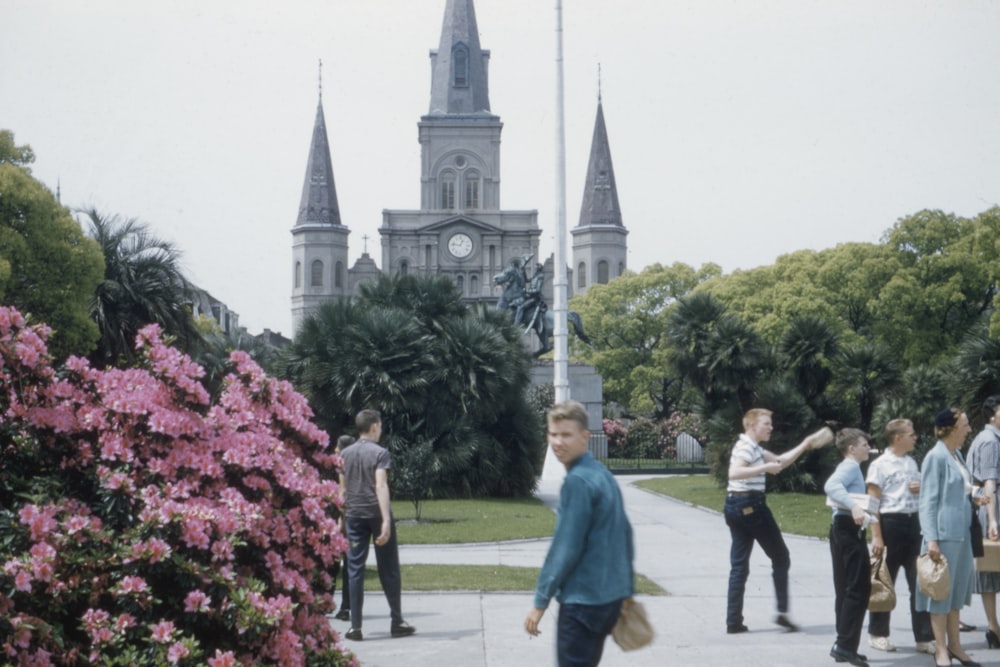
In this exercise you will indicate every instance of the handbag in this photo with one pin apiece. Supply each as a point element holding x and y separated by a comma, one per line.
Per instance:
<point>633,629</point>
<point>883,595</point>
<point>935,582</point>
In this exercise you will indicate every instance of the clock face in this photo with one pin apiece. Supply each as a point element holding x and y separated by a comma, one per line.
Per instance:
<point>460,245</point>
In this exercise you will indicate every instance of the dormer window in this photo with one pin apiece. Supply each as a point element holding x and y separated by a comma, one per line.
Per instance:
<point>460,65</point>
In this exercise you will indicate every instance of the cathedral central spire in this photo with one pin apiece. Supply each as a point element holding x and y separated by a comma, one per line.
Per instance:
<point>459,83</point>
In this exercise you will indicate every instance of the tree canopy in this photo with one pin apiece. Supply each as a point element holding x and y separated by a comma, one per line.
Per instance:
<point>48,267</point>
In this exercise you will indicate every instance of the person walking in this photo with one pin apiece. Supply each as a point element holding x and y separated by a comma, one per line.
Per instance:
<point>589,565</point>
<point>749,518</point>
<point>894,479</point>
<point>848,549</point>
<point>945,517</point>
<point>984,465</point>
<point>369,515</point>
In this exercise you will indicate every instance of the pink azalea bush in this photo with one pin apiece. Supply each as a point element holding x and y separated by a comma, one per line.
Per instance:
<point>648,439</point>
<point>142,523</point>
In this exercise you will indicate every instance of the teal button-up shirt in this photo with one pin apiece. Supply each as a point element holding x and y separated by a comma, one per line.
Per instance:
<point>590,558</point>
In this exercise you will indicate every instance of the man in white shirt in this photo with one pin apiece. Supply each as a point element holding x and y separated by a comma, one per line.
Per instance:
<point>895,479</point>
<point>749,518</point>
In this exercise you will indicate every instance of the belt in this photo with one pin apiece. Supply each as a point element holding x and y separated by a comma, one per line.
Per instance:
<point>744,494</point>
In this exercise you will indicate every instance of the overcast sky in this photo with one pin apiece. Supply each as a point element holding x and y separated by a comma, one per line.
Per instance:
<point>740,129</point>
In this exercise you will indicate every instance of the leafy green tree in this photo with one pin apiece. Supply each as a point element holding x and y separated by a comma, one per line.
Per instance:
<point>626,321</point>
<point>865,371</point>
<point>48,268</point>
<point>976,372</point>
<point>806,354</point>
<point>449,382</point>
<point>923,391</point>
<point>143,284</point>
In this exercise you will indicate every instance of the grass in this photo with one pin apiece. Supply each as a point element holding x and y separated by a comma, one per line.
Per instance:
<point>470,521</point>
<point>478,520</point>
<point>482,578</point>
<point>796,513</point>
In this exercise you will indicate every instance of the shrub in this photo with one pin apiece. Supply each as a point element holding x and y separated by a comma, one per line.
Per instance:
<point>647,439</point>
<point>144,525</point>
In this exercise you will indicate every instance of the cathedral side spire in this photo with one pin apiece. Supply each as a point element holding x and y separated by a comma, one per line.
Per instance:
<point>319,193</point>
<point>600,194</point>
<point>459,83</point>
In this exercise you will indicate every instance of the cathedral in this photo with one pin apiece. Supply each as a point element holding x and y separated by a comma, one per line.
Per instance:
<point>460,229</point>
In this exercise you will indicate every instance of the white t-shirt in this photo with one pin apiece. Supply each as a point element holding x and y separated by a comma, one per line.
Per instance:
<point>892,475</point>
<point>747,450</point>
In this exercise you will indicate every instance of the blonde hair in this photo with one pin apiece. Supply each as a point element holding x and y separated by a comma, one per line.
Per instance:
<point>751,417</point>
<point>896,428</point>
<point>569,410</point>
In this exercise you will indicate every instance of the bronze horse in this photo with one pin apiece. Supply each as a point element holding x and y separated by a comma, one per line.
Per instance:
<point>540,318</point>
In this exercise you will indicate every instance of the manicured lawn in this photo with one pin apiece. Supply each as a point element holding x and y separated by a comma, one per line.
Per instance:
<point>483,578</point>
<point>797,513</point>
<point>479,520</point>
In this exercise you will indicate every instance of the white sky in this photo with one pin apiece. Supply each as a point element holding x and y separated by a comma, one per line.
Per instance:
<point>740,129</point>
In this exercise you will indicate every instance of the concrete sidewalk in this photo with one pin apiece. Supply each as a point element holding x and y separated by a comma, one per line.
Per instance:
<point>685,550</point>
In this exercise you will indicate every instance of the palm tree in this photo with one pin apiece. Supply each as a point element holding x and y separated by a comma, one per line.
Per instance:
<point>142,284</point>
<point>865,372</point>
<point>807,348</point>
<point>450,384</point>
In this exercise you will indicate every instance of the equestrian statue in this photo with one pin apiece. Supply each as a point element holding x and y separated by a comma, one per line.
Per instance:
<point>522,296</point>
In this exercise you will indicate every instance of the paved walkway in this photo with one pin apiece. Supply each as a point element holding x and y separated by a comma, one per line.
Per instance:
<point>682,548</point>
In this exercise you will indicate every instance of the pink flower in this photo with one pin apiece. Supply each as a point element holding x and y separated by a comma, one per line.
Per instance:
<point>221,659</point>
<point>176,652</point>
<point>132,585</point>
<point>162,631</point>
<point>196,601</point>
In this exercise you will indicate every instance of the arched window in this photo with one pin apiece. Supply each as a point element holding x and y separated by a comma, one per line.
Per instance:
<point>316,279</point>
<point>472,189</point>
<point>338,275</point>
<point>581,275</point>
<point>460,284</point>
<point>298,274</point>
<point>404,268</point>
<point>460,65</point>
<point>621,268</point>
<point>474,285</point>
<point>602,272</point>
<point>448,190</point>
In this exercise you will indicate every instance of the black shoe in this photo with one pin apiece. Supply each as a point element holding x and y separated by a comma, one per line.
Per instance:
<point>402,629</point>
<point>343,615</point>
<point>736,629</point>
<point>354,634</point>
<point>965,627</point>
<point>786,623</point>
<point>843,655</point>
<point>992,640</point>
<point>965,663</point>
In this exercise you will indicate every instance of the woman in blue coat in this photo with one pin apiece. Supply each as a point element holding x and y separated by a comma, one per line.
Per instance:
<point>945,519</point>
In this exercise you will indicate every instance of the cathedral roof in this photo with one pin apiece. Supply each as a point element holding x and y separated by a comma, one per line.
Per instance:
<point>600,194</point>
<point>319,193</point>
<point>458,80</point>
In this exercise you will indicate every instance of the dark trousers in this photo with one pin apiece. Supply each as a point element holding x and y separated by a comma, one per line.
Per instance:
<point>581,631</point>
<point>750,520</point>
<point>852,583</point>
<point>345,586</point>
<point>901,534</point>
<point>360,533</point>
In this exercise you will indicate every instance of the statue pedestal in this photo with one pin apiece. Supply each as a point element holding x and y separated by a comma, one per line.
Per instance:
<point>585,386</point>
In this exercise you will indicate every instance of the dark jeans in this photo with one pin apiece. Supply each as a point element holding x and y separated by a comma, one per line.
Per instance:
<point>852,583</point>
<point>749,520</point>
<point>581,631</point>
<point>345,586</point>
<point>901,534</point>
<point>360,533</point>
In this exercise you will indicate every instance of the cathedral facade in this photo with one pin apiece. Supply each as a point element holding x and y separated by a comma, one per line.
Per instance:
<point>460,229</point>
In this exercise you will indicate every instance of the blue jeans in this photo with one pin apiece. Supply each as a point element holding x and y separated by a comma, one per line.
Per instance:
<point>360,533</point>
<point>581,631</point>
<point>749,520</point>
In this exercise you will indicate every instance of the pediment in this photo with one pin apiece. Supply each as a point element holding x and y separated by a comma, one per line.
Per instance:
<point>464,220</point>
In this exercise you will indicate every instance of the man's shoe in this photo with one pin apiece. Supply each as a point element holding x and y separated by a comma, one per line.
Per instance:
<point>843,655</point>
<point>736,629</point>
<point>402,629</point>
<point>926,647</point>
<point>354,634</point>
<point>881,644</point>
<point>786,623</point>
<point>965,627</point>
<point>343,615</point>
